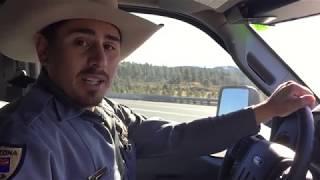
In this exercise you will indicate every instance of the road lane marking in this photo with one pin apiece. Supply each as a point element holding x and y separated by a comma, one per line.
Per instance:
<point>171,113</point>
<point>133,103</point>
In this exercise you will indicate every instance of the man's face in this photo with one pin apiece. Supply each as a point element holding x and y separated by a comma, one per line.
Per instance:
<point>82,59</point>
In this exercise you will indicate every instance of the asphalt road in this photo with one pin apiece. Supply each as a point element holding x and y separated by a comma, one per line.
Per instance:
<point>177,112</point>
<point>169,111</point>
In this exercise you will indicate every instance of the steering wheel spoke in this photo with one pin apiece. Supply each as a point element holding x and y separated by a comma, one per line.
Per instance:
<point>256,158</point>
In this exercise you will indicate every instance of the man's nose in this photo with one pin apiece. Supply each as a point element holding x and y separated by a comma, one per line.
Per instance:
<point>97,56</point>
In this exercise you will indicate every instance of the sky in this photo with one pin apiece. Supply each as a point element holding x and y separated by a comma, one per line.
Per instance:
<point>179,43</point>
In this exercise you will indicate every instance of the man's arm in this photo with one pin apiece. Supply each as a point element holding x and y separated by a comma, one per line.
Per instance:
<point>200,137</point>
<point>209,135</point>
<point>157,137</point>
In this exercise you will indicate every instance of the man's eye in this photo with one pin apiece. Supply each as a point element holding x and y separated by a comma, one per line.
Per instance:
<point>109,47</point>
<point>81,43</point>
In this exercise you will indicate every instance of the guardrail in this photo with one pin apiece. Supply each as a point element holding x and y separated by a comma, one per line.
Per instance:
<point>172,99</point>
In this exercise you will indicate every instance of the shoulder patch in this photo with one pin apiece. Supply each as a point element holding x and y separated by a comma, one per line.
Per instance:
<point>11,159</point>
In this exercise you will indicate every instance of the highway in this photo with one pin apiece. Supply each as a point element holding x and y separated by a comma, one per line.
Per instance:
<point>169,111</point>
<point>177,112</point>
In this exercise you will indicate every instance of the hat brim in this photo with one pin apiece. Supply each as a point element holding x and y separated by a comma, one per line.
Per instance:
<point>17,31</point>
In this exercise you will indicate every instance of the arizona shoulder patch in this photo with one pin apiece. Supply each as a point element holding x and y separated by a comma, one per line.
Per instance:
<point>11,159</point>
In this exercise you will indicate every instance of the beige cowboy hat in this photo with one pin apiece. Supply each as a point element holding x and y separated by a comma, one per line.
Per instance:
<point>20,20</point>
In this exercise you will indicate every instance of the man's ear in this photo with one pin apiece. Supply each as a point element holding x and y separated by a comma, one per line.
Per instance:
<point>42,48</point>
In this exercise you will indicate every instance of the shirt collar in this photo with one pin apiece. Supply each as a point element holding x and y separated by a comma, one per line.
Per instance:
<point>65,107</point>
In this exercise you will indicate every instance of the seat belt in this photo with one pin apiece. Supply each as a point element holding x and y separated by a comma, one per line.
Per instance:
<point>109,124</point>
<point>119,158</point>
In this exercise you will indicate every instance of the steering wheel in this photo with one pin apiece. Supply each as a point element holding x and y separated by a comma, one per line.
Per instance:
<point>256,158</point>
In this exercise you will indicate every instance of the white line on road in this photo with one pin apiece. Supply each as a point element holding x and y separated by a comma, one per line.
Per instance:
<point>188,107</point>
<point>162,112</point>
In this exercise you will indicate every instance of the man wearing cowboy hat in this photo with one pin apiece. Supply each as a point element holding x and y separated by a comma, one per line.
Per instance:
<point>64,128</point>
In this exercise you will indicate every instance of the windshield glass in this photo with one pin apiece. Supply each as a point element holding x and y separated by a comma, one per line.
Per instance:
<point>177,74</point>
<point>297,43</point>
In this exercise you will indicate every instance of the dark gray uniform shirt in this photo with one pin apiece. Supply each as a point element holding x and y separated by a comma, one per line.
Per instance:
<point>43,135</point>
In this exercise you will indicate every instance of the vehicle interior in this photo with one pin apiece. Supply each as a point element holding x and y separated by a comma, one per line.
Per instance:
<point>227,23</point>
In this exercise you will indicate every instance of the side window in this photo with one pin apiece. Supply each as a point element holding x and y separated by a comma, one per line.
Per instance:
<point>176,74</point>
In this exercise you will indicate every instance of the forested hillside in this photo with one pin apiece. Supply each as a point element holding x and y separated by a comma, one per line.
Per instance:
<point>176,81</point>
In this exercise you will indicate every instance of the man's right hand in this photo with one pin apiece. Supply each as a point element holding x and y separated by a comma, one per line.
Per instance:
<point>286,99</point>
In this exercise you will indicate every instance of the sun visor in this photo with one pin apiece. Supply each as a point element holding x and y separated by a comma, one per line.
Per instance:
<point>264,11</point>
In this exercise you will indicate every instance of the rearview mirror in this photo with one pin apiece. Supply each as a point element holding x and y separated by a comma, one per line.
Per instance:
<point>236,98</point>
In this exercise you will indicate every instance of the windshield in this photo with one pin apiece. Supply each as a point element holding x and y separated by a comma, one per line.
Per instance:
<point>297,43</point>
<point>179,69</point>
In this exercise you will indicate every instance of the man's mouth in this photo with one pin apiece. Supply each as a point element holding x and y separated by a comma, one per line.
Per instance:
<point>92,81</point>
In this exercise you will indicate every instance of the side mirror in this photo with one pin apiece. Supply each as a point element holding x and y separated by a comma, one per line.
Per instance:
<point>236,98</point>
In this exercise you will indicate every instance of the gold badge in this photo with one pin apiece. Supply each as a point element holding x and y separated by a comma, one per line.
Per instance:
<point>11,158</point>
<point>98,174</point>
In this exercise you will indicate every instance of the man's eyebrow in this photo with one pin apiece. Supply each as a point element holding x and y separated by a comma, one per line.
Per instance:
<point>92,33</point>
<point>113,38</point>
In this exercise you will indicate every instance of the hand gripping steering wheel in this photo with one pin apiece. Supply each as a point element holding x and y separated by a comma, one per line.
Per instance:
<point>256,158</point>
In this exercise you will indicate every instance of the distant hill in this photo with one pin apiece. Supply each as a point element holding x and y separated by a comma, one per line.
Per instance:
<point>176,81</point>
